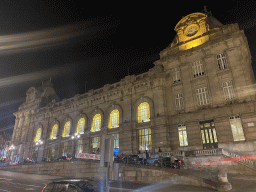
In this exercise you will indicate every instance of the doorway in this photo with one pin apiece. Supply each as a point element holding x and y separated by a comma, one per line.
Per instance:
<point>208,133</point>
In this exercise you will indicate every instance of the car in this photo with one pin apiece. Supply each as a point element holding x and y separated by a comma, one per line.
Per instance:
<point>70,185</point>
<point>171,162</point>
<point>132,159</point>
<point>64,158</point>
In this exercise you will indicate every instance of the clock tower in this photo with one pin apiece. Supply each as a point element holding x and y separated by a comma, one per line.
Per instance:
<point>193,29</point>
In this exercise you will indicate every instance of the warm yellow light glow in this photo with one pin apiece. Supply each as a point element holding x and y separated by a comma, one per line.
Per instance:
<point>80,126</point>
<point>54,132</point>
<point>143,112</point>
<point>96,123</point>
<point>66,130</point>
<point>113,119</point>
<point>38,135</point>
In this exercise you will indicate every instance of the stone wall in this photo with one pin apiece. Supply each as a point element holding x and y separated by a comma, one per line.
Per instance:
<point>76,169</point>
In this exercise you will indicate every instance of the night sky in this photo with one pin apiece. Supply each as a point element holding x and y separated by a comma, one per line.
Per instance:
<point>78,42</point>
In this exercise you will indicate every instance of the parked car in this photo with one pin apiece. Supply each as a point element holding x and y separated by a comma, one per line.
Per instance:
<point>64,158</point>
<point>132,159</point>
<point>171,162</point>
<point>70,185</point>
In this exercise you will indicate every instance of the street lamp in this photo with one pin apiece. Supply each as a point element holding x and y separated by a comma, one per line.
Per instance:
<point>75,137</point>
<point>38,143</point>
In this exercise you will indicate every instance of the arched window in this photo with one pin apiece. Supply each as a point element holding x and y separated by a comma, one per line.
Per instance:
<point>38,135</point>
<point>143,112</point>
<point>96,123</point>
<point>54,132</point>
<point>80,126</point>
<point>113,119</point>
<point>66,130</point>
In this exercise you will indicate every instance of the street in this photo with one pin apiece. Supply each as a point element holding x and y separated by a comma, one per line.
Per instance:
<point>21,182</point>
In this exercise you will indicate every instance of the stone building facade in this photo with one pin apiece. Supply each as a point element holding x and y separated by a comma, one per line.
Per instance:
<point>199,95</point>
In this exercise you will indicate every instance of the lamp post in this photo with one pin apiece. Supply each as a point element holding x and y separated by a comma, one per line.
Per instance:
<point>38,143</point>
<point>75,137</point>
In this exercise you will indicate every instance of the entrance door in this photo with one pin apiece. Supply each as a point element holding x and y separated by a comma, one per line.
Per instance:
<point>208,133</point>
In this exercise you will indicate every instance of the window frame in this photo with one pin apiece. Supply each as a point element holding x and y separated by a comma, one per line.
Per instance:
<point>139,111</point>
<point>37,137</point>
<point>222,61</point>
<point>78,126</point>
<point>182,129</point>
<point>55,126</point>
<point>179,102</point>
<point>111,116</point>
<point>202,96</point>
<point>148,141</point>
<point>237,128</point>
<point>66,132</point>
<point>198,68</point>
<point>98,115</point>
<point>176,75</point>
<point>228,90</point>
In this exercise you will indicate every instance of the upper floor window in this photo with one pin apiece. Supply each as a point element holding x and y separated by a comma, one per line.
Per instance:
<point>80,126</point>
<point>179,101</point>
<point>38,135</point>
<point>228,90</point>
<point>113,119</point>
<point>66,130</point>
<point>96,123</point>
<point>222,61</point>
<point>143,112</point>
<point>202,96</point>
<point>237,129</point>
<point>54,132</point>
<point>176,75</point>
<point>197,68</point>
<point>183,135</point>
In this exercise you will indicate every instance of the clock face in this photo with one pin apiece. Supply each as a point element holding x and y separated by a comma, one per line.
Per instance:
<point>191,31</point>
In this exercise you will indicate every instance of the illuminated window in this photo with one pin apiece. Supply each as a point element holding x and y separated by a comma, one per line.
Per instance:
<point>179,101</point>
<point>96,123</point>
<point>183,135</point>
<point>80,126</point>
<point>54,132</point>
<point>202,96</point>
<point>237,129</point>
<point>176,75</point>
<point>95,144</point>
<point>143,112</point>
<point>197,68</point>
<point>66,130</point>
<point>145,142</point>
<point>79,146</point>
<point>38,135</point>
<point>113,119</point>
<point>222,61</point>
<point>228,90</point>
<point>64,148</point>
<point>116,141</point>
<point>51,152</point>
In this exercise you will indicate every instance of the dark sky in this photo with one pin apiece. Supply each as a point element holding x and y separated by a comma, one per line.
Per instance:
<point>81,41</point>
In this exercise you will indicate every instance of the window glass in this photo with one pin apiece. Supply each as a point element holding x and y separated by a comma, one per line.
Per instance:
<point>145,142</point>
<point>38,135</point>
<point>54,132</point>
<point>143,112</point>
<point>182,135</point>
<point>80,126</point>
<point>114,119</point>
<point>60,187</point>
<point>96,123</point>
<point>66,130</point>
<point>49,187</point>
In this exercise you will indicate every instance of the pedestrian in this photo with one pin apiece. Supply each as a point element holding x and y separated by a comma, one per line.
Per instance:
<point>159,150</point>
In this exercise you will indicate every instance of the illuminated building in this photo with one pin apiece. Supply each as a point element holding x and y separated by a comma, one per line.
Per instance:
<point>199,95</point>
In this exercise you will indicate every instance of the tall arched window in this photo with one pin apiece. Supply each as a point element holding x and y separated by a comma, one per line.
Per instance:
<point>113,119</point>
<point>80,126</point>
<point>143,112</point>
<point>66,130</point>
<point>54,132</point>
<point>38,135</point>
<point>96,123</point>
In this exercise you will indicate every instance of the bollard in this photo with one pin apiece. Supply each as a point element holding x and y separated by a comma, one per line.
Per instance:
<point>223,184</point>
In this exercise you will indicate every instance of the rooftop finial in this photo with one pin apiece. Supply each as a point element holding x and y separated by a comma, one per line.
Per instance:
<point>205,10</point>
